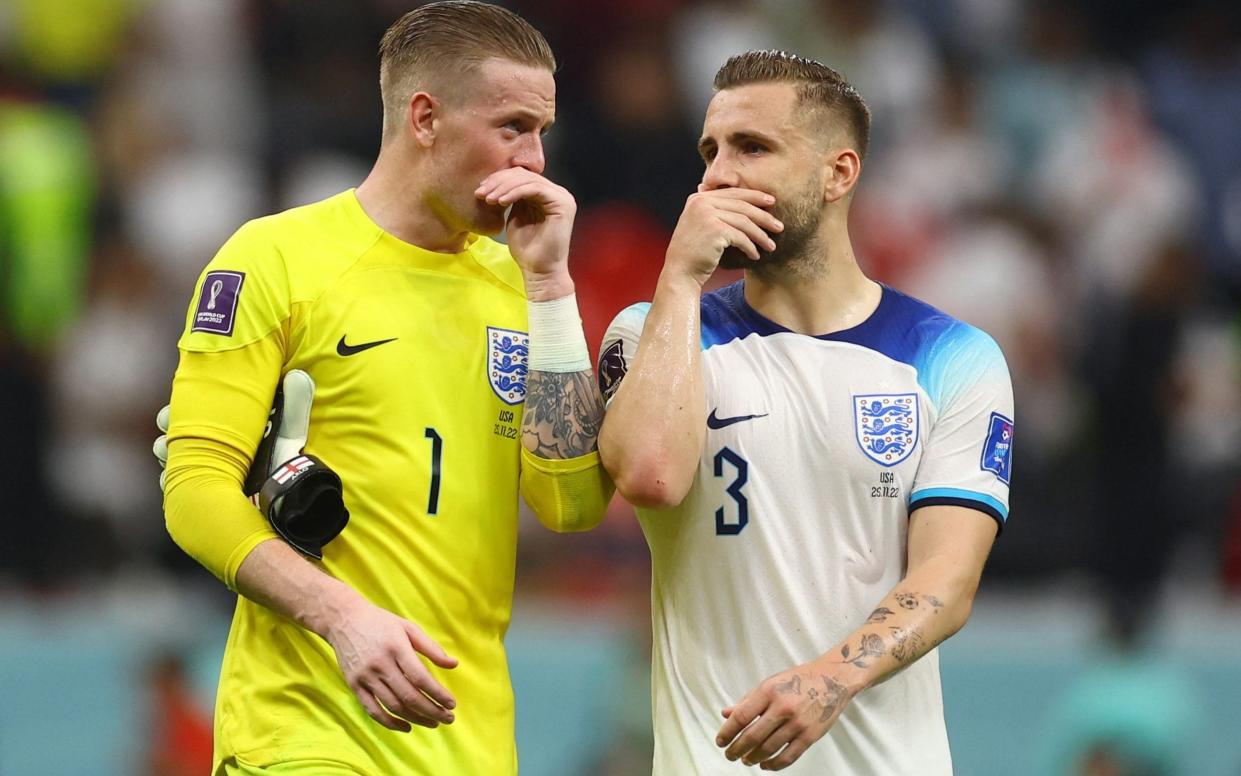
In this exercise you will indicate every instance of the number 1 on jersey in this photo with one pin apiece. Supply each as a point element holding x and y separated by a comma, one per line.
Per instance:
<point>722,526</point>
<point>437,454</point>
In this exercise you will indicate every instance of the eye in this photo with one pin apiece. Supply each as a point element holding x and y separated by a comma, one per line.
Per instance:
<point>754,148</point>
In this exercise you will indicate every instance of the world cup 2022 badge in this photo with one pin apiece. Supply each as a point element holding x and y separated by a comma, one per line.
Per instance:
<point>217,302</point>
<point>887,426</point>
<point>997,452</point>
<point>507,353</point>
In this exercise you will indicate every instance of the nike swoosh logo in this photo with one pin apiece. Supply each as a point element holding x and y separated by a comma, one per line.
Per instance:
<point>349,350</point>
<point>716,422</point>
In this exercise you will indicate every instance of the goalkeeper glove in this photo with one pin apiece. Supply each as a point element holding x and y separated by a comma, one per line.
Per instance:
<point>300,496</point>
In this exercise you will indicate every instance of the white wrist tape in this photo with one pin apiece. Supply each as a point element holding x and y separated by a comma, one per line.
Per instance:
<point>557,343</point>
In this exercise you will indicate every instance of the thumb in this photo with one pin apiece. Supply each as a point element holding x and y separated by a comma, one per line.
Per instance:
<point>299,394</point>
<point>426,645</point>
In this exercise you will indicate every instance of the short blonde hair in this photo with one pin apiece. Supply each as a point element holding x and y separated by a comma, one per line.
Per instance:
<point>451,37</point>
<point>818,86</point>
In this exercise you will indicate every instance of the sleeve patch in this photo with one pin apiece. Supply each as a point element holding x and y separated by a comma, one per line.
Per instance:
<point>612,368</point>
<point>997,455</point>
<point>217,302</point>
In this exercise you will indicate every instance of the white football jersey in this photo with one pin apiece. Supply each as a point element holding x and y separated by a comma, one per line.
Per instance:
<point>817,450</point>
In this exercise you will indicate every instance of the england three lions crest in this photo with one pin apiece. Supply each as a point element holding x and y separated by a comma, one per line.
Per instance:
<point>507,353</point>
<point>887,426</point>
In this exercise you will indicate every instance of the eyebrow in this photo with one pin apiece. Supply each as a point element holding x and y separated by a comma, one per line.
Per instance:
<point>735,138</point>
<point>529,115</point>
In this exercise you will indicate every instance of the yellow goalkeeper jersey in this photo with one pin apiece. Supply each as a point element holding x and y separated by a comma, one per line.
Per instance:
<point>419,364</point>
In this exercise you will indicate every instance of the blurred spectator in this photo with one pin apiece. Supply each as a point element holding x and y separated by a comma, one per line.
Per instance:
<point>69,45</point>
<point>108,378</point>
<point>46,195</point>
<point>706,34</point>
<point>1043,87</point>
<point>1139,515</point>
<point>318,60</point>
<point>1195,82</point>
<point>928,183</point>
<point>30,524</point>
<point>1115,189</point>
<point>878,48</point>
<point>630,142</point>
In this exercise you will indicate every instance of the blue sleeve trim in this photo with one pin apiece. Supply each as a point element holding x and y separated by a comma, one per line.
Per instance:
<point>957,497</point>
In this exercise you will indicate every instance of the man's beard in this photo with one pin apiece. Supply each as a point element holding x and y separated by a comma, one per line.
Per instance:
<point>801,219</point>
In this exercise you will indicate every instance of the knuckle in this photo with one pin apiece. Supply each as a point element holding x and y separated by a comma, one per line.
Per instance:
<point>408,699</point>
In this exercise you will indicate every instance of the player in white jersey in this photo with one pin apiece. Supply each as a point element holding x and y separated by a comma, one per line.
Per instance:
<point>821,463</point>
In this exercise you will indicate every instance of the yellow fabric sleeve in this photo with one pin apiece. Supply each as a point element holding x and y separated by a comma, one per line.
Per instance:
<point>220,403</point>
<point>569,494</point>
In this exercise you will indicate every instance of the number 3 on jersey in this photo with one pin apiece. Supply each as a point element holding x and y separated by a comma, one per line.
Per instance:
<point>723,527</point>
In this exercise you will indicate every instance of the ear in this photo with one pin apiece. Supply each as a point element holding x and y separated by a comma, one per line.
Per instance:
<point>423,118</point>
<point>841,173</point>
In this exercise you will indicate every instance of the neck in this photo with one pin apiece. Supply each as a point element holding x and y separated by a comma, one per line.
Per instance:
<point>394,198</point>
<point>820,293</point>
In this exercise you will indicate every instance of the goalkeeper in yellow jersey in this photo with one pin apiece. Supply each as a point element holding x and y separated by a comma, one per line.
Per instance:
<point>437,373</point>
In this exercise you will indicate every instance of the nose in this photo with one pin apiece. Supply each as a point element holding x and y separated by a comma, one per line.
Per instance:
<point>530,155</point>
<point>720,174</point>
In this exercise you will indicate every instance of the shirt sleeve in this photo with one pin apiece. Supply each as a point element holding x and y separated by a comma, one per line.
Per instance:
<point>241,297</point>
<point>233,351</point>
<point>967,458</point>
<point>566,494</point>
<point>620,343</point>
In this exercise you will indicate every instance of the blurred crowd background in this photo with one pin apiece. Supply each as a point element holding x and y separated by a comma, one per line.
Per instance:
<point>1065,175</point>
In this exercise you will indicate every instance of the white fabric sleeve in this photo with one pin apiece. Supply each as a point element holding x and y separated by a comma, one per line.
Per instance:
<point>967,459</point>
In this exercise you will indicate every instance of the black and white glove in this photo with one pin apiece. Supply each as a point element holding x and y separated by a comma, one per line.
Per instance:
<point>300,496</point>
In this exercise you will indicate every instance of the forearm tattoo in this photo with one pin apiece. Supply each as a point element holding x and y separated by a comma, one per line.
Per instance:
<point>563,414</point>
<point>905,643</point>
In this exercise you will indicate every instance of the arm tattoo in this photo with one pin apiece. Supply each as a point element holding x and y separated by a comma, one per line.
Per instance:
<point>871,647</point>
<point>791,687</point>
<point>908,645</point>
<point>833,697</point>
<point>563,414</point>
<point>907,600</point>
<point>879,615</point>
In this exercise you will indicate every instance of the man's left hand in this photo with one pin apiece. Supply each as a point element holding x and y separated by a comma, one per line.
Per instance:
<point>777,721</point>
<point>539,226</point>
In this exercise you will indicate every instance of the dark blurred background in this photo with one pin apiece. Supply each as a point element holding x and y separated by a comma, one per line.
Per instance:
<point>1065,175</point>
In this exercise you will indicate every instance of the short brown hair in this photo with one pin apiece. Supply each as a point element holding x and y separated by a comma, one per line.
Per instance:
<point>451,37</point>
<point>817,85</point>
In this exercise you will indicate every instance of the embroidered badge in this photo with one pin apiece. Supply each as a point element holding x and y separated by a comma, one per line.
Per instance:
<point>887,426</point>
<point>997,453</point>
<point>217,302</point>
<point>508,351</point>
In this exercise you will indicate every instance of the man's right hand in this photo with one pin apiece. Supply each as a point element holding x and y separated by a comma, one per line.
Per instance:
<point>716,219</point>
<point>378,653</point>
